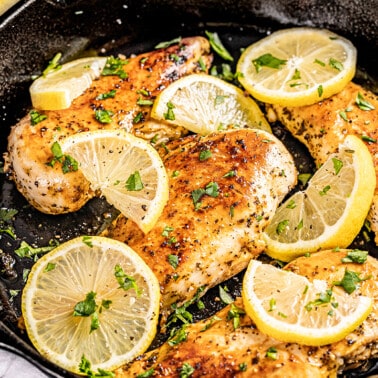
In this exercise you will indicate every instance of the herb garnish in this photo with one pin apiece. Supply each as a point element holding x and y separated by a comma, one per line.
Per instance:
<point>170,115</point>
<point>36,117</point>
<point>350,281</point>
<point>6,216</point>
<point>163,45</point>
<point>53,64</point>
<point>69,164</point>
<point>85,367</point>
<point>104,96</point>
<point>114,67</point>
<point>363,104</point>
<point>134,182</point>
<point>337,165</point>
<point>281,226</point>
<point>125,281</point>
<point>204,155</point>
<point>335,64</point>
<point>211,189</point>
<point>26,250</point>
<point>324,298</point>
<point>104,116</point>
<point>173,261</point>
<point>186,371</point>
<point>148,373</point>
<point>217,46</point>
<point>268,60</point>
<point>272,353</point>
<point>225,296</point>
<point>177,336</point>
<point>355,256</point>
<point>234,315</point>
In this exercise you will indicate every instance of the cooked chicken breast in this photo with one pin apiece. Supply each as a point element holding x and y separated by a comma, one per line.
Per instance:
<point>213,347</point>
<point>224,189</point>
<point>29,147</point>
<point>322,126</point>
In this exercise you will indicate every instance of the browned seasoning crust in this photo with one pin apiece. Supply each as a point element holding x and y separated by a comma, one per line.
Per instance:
<point>215,348</point>
<point>323,126</point>
<point>29,147</point>
<point>253,172</point>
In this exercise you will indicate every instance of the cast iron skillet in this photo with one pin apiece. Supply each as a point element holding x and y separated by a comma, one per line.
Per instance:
<point>33,31</point>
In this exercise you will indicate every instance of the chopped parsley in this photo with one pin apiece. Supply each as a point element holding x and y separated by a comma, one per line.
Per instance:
<point>217,45</point>
<point>337,165</point>
<point>272,353</point>
<point>225,297</point>
<point>211,189</point>
<point>104,96</point>
<point>355,256</point>
<point>125,281</point>
<point>282,226</point>
<point>350,281</point>
<point>134,182</point>
<point>148,373</point>
<point>104,116</point>
<point>234,314</point>
<point>186,371</point>
<point>320,90</point>
<point>26,250</point>
<point>334,63</point>
<point>85,367</point>
<point>114,67</point>
<point>173,261</point>
<point>204,155</point>
<point>36,117</point>
<point>268,60</point>
<point>324,298</point>
<point>363,104</point>
<point>165,44</point>
<point>324,191</point>
<point>170,115</point>
<point>53,65</point>
<point>178,336</point>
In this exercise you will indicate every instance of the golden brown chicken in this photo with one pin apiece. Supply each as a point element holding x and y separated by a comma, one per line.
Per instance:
<point>29,146</point>
<point>323,126</point>
<point>214,348</point>
<point>224,189</point>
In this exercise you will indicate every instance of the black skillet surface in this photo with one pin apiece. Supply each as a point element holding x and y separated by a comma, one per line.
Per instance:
<point>35,30</point>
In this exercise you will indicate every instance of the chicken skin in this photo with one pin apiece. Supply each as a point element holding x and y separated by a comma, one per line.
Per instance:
<point>323,126</point>
<point>214,347</point>
<point>224,189</point>
<point>46,187</point>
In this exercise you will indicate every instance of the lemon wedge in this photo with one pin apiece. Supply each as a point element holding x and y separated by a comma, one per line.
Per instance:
<point>92,297</point>
<point>290,308</point>
<point>127,171</point>
<point>332,209</point>
<point>58,88</point>
<point>204,104</point>
<point>297,66</point>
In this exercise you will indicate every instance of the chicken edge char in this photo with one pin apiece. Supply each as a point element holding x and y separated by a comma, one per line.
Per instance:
<point>213,347</point>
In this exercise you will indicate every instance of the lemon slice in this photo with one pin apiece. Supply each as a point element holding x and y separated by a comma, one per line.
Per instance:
<point>204,104</point>
<point>298,66</point>
<point>58,88</point>
<point>331,211</point>
<point>121,316</point>
<point>290,308</point>
<point>127,170</point>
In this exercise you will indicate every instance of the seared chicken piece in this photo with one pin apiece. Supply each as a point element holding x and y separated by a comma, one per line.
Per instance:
<point>224,189</point>
<point>29,146</point>
<point>323,126</point>
<point>214,348</point>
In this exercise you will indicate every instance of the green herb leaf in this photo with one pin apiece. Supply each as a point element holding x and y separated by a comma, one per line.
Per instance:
<point>86,307</point>
<point>234,314</point>
<point>173,261</point>
<point>134,182</point>
<point>186,371</point>
<point>53,64</point>
<point>337,165</point>
<point>163,45</point>
<point>36,117</point>
<point>85,367</point>
<point>225,297</point>
<point>335,64</point>
<point>204,155</point>
<point>324,191</point>
<point>320,90</point>
<point>350,281</point>
<point>282,226</point>
<point>114,67</point>
<point>231,173</point>
<point>355,256</point>
<point>169,115</point>
<point>178,336</point>
<point>50,266</point>
<point>125,281</point>
<point>363,104</point>
<point>148,373</point>
<point>104,96</point>
<point>218,47</point>
<point>26,250</point>
<point>272,353</point>
<point>268,60</point>
<point>210,323</point>
<point>104,116</point>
